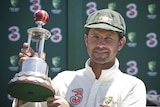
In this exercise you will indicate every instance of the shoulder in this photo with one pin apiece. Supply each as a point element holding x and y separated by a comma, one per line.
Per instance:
<point>63,79</point>
<point>67,75</point>
<point>131,81</point>
<point>132,89</point>
<point>70,73</point>
<point>64,75</point>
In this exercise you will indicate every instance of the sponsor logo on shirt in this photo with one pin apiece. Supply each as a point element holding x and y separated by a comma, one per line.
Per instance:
<point>78,96</point>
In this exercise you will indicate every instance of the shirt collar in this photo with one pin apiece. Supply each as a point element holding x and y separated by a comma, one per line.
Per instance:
<point>106,75</point>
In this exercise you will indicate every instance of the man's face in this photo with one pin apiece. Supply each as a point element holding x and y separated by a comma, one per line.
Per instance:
<point>103,45</point>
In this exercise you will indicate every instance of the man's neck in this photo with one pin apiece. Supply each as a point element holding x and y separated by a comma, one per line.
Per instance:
<point>97,68</point>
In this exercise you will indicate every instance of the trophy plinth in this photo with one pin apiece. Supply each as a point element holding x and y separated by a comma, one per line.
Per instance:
<point>32,82</point>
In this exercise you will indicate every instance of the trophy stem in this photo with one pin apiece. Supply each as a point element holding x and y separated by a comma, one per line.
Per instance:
<point>41,47</point>
<point>29,41</point>
<point>39,26</point>
<point>37,45</point>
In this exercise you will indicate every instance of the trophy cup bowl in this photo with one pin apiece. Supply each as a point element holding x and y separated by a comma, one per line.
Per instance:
<point>32,82</point>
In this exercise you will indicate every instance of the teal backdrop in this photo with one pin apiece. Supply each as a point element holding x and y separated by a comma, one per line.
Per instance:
<point>140,57</point>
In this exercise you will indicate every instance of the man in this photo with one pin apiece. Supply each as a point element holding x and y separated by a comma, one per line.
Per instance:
<point>100,83</point>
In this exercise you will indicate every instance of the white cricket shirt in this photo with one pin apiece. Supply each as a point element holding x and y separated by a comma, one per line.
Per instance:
<point>113,88</point>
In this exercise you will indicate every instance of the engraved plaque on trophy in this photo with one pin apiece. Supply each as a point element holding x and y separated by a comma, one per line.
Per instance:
<point>32,82</point>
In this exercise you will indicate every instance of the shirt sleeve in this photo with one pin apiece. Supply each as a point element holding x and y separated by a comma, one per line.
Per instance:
<point>61,82</point>
<point>134,95</point>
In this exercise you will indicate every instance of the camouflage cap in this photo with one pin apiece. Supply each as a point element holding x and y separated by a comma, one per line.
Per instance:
<point>106,19</point>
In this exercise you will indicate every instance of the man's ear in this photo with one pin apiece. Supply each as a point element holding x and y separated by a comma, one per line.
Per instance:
<point>122,43</point>
<point>86,39</point>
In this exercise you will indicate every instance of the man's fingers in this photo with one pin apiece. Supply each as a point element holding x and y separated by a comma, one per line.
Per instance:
<point>21,60</point>
<point>27,50</point>
<point>52,102</point>
<point>25,45</point>
<point>50,98</point>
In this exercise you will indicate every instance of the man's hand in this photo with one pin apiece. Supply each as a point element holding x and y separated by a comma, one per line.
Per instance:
<point>57,101</point>
<point>20,102</point>
<point>25,53</point>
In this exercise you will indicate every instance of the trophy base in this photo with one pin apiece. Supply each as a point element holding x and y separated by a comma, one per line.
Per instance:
<point>30,91</point>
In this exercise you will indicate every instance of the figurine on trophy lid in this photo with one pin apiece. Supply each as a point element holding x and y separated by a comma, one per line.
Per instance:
<point>32,82</point>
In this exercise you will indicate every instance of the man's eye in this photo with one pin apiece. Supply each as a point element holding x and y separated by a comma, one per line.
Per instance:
<point>96,37</point>
<point>108,38</point>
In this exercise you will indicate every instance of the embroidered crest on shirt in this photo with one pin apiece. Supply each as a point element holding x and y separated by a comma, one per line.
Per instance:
<point>78,96</point>
<point>108,102</point>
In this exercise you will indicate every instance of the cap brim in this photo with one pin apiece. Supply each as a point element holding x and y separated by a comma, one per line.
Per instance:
<point>103,26</point>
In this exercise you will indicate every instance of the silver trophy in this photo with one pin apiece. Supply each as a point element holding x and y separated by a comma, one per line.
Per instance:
<point>32,82</point>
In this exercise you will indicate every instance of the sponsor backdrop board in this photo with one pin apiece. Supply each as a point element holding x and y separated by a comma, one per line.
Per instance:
<point>65,48</point>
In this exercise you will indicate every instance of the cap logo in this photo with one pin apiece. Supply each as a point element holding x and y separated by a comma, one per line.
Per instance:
<point>104,19</point>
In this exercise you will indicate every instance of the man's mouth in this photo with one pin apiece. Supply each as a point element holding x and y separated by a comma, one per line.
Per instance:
<point>101,51</point>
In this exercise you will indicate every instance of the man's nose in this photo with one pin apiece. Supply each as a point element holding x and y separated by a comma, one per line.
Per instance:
<point>101,44</point>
